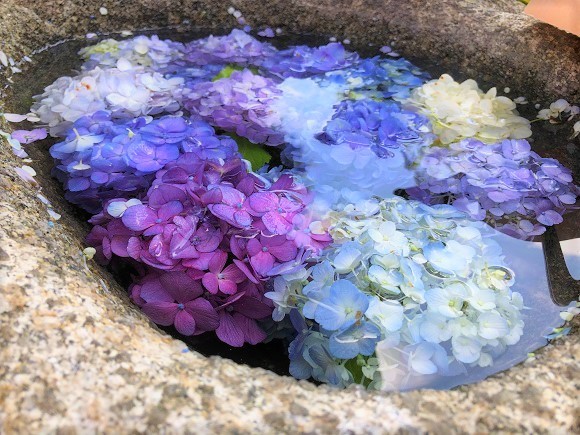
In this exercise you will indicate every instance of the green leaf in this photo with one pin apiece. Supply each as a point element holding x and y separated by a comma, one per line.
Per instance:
<point>356,370</point>
<point>227,71</point>
<point>254,153</point>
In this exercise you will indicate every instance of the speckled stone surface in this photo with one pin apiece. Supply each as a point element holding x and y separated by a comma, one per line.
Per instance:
<point>76,357</point>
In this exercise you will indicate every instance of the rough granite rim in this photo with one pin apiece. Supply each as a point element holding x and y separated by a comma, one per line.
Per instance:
<point>76,357</point>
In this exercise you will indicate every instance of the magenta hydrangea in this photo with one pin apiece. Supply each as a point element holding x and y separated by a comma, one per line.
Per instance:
<point>217,226</point>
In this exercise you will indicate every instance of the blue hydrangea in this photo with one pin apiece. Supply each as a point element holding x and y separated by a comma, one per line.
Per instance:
<point>381,126</point>
<point>304,61</point>
<point>378,78</point>
<point>102,158</point>
<point>344,306</point>
<point>359,339</point>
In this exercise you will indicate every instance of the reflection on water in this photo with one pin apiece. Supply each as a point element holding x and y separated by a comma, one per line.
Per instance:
<point>541,315</point>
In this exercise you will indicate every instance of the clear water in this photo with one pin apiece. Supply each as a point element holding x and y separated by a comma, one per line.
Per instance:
<point>527,259</point>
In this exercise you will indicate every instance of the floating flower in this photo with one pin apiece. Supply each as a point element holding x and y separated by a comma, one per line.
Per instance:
<point>462,110</point>
<point>26,136</point>
<point>238,48</point>
<point>174,299</point>
<point>376,143</point>
<point>126,92</point>
<point>402,283</point>
<point>193,221</point>
<point>241,104</point>
<point>148,51</point>
<point>344,305</point>
<point>103,158</point>
<point>378,78</point>
<point>504,182</point>
<point>303,61</point>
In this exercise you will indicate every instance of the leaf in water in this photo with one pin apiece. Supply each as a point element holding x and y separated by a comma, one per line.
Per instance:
<point>254,153</point>
<point>227,72</point>
<point>558,333</point>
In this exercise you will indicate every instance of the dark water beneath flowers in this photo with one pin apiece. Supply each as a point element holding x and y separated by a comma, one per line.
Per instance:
<point>547,288</point>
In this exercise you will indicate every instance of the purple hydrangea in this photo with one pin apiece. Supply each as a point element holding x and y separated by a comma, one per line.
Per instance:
<point>213,222</point>
<point>241,103</point>
<point>102,158</point>
<point>237,47</point>
<point>506,183</point>
<point>304,61</point>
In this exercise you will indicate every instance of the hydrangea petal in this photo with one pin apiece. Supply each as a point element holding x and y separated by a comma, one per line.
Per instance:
<point>184,322</point>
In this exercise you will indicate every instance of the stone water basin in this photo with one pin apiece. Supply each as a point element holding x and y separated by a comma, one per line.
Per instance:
<point>76,356</point>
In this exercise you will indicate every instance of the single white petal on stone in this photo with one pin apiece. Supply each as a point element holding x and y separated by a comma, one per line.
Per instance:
<point>3,58</point>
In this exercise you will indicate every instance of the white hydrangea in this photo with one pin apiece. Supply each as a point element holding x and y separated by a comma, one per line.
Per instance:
<point>141,50</point>
<point>462,110</point>
<point>126,90</point>
<point>437,284</point>
<point>450,280</point>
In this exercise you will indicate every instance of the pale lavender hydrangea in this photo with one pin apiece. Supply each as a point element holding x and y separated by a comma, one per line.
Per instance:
<point>235,48</point>
<point>505,183</point>
<point>148,51</point>
<point>241,103</point>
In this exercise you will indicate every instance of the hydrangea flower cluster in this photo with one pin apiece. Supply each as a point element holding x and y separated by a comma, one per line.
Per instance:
<point>378,78</point>
<point>102,158</point>
<point>127,91</point>
<point>304,61</point>
<point>406,291</point>
<point>505,183</point>
<point>237,47</point>
<point>147,51</point>
<point>376,143</point>
<point>462,110</point>
<point>214,224</point>
<point>382,127</point>
<point>240,103</point>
